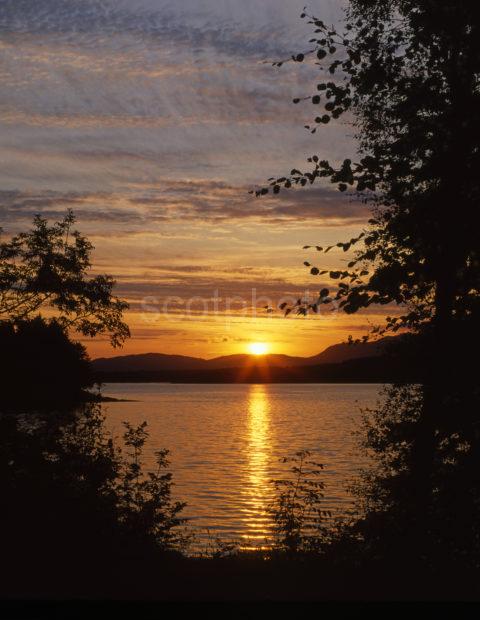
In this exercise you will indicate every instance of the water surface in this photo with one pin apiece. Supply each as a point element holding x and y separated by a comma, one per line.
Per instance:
<point>226,443</point>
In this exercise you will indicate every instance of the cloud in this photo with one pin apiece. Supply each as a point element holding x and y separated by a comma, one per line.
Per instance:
<point>192,201</point>
<point>250,29</point>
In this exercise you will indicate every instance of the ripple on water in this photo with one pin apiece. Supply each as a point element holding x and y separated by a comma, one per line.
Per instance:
<point>226,443</point>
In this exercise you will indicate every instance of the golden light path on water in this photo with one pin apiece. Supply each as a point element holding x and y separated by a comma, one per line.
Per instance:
<point>227,443</point>
<point>259,444</point>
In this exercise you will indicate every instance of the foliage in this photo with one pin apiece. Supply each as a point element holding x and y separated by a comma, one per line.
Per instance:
<point>297,513</point>
<point>406,74</point>
<point>144,499</point>
<point>39,355</point>
<point>389,492</point>
<point>71,494</point>
<point>47,268</point>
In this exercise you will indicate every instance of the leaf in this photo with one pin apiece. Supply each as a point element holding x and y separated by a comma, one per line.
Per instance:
<point>321,54</point>
<point>314,271</point>
<point>324,292</point>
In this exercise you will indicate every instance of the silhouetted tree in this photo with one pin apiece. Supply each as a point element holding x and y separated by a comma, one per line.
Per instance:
<point>406,73</point>
<point>41,364</point>
<point>75,508</point>
<point>47,268</point>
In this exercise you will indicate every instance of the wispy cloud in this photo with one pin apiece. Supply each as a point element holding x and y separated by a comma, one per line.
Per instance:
<point>200,200</point>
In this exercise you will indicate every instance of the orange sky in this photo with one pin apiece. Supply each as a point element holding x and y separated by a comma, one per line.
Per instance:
<point>152,121</point>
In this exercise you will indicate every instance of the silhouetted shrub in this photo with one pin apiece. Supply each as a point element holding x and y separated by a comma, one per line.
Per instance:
<point>297,511</point>
<point>74,502</point>
<point>397,527</point>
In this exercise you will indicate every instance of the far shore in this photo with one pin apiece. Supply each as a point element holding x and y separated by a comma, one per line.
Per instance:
<point>191,381</point>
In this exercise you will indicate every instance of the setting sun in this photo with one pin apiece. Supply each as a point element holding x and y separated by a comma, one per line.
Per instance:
<point>258,348</point>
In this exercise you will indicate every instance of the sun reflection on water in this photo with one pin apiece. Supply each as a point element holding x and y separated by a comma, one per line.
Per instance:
<point>259,454</point>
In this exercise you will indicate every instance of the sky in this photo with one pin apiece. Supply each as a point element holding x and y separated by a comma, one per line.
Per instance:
<point>152,120</point>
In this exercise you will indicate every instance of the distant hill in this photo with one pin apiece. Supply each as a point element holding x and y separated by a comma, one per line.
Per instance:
<point>157,362</point>
<point>147,362</point>
<point>338,353</point>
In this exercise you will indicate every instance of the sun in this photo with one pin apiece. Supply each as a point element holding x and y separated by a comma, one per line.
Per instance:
<point>258,348</point>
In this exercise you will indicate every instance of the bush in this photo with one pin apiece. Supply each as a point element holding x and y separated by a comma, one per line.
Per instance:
<point>442,531</point>
<point>297,512</point>
<point>74,502</point>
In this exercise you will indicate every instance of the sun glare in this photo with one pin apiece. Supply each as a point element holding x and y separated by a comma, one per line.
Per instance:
<point>258,348</point>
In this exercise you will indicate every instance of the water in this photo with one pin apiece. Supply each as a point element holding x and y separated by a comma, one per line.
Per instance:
<point>226,443</point>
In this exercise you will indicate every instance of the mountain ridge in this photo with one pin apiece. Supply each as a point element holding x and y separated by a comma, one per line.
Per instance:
<point>153,362</point>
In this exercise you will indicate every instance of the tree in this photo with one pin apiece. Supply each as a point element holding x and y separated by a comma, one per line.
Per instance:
<point>409,78</point>
<point>47,268</point>
<point>40,364</point>
<point>407,73</point>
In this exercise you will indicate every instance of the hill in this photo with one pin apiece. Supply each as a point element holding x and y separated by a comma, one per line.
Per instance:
<point>160,362</point>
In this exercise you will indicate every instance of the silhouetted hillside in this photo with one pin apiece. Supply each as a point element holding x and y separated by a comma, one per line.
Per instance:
<point>343,352</point>
<point>377,369</point>
<point>147,362</point>
<point>160,362</point>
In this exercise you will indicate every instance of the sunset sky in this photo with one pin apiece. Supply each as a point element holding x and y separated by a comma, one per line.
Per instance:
<point>152,120</point>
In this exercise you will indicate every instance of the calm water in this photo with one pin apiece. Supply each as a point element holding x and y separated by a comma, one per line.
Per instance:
<point>226,442</point>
